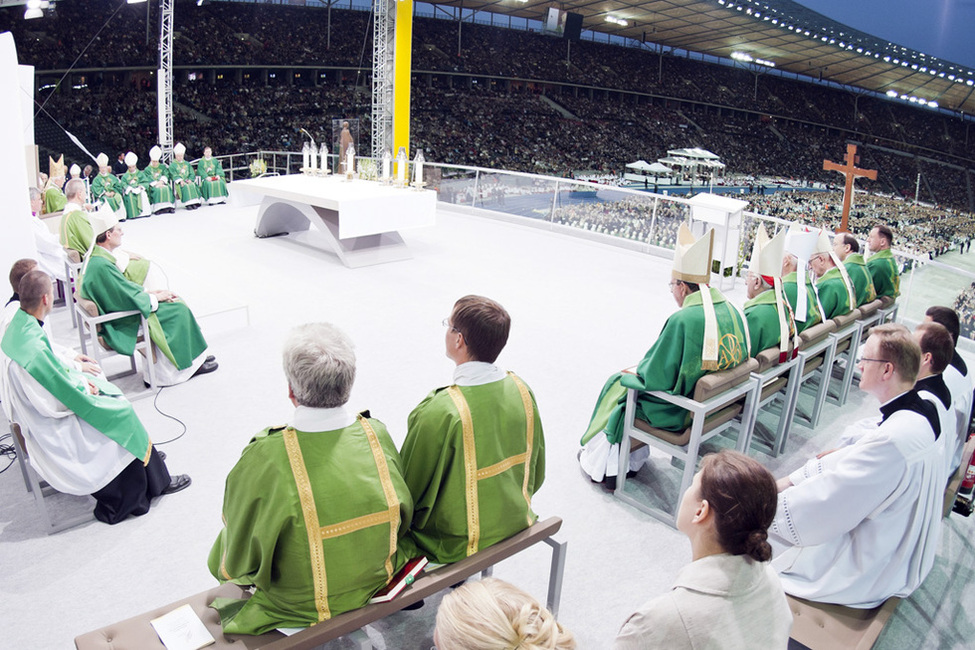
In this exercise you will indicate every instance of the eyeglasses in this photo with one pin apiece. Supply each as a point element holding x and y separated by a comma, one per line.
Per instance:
<point>446,323</point>
<point>862,359</point>
<point>672,284</point>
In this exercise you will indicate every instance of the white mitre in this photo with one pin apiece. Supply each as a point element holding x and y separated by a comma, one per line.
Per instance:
<point>692,263</point>
<point>102,160</point>
<point>131,159</point>
<point>801,243</point>
<point>179,149</point>
<point>766,262</point>
<point>155,153</point>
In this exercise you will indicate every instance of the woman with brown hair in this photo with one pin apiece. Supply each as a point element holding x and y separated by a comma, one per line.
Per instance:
<point>728,597</point>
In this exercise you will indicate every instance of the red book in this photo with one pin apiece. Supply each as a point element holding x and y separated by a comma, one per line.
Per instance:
<point>400,581</point>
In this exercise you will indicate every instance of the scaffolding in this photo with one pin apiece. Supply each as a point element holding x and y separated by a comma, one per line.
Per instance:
<point>383,71</point>
<point>164,88</point>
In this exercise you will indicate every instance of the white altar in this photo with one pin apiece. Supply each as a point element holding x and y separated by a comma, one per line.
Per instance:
<point>724,214</point>
<point>357,220</point>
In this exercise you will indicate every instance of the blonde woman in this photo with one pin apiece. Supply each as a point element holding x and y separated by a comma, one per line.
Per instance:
<point>494,615</point>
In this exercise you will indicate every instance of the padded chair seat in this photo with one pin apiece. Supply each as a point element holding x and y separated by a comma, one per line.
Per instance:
<point>820,625</point>
<point>708,386</point>
<point>816,333</point>
<point>773,387</point>
<point>886,302</point>
<point>767,359</point>
<point>844,321</point>
<point>869,309</point>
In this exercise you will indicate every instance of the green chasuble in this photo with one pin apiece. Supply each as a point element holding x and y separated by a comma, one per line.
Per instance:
<point>673,364</point>
<point>151,174</point>
<point>473,458</point>
<point>25,344</point>
<point>212,183</point>
<point>856,268</point>
<point>172,326</point>
<point>790,290</point>
<point>75,231</point>
<point>183,171</point>
<point>834,296</point>
<point>107,187</point>
<point>54,200</point>
<point>763,322</point>
<point>132,199</point>
<point>883,270</point>
<point>313,520</point>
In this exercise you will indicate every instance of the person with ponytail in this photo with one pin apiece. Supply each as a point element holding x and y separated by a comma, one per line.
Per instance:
<point>491,614</point>
<point>728,597</point>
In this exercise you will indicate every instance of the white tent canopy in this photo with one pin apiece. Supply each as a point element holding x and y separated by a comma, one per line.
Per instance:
<point>658,168</point>
<point>695,153</point>
<point>640,165</point>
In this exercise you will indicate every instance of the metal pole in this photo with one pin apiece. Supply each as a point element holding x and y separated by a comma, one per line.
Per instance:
<point>917,187</point>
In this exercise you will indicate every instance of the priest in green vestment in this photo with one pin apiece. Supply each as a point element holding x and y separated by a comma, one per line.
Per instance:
<point>134,196</point>
<point>847,249</point>
<point>797,285</point>
<point>184,179</point>
<point>155,177</point>
<point>314,512</point>
<point>833,287</point>
<point>213,185</point>
<point>106,187</point>
<point>179,347</point>
<point>705,335</point>
<point>82,435</point>
<point>474,452</point>
<point>76,234</point>
<point>769,317</point>
<point>881,263</point>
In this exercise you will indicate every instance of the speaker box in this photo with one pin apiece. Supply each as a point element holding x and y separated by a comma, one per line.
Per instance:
<point>573,26</point>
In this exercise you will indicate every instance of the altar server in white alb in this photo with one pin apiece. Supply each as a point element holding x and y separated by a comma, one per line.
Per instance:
<point>960,382</point>
<point>862,523</point>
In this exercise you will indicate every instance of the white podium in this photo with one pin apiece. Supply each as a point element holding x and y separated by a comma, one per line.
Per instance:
<point>357,220</point>
<point>722,213</point>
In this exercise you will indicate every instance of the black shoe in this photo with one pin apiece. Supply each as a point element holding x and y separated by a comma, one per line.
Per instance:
<point>206,368</point>
<point>179,482</point>
<point>209,358</point>
<point>417,605</point>
<point>610,481</point>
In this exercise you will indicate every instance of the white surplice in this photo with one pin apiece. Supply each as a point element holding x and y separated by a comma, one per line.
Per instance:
<point>948,417</point>
<point>960,386</point>
<point>863,523</point>
<point>69,453</point>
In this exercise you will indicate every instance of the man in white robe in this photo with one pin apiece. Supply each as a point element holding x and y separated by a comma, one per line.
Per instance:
<point>862,523</point>
<point>936,350</point>
<point>50,254</point>
<point>81,434</point>
<point>959,380</point>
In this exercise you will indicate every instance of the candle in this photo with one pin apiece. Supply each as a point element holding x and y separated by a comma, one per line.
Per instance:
<point>401,166</point>
<point>418,169</point>
<point>387,162</point>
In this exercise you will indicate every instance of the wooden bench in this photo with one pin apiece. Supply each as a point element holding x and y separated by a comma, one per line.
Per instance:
<point>137,634</point>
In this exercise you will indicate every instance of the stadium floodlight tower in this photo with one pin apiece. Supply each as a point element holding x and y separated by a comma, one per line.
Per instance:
<point>164,81</point>
<point>391,71</point>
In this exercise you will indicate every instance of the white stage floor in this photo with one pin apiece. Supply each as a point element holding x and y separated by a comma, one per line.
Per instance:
<point>580,310</point>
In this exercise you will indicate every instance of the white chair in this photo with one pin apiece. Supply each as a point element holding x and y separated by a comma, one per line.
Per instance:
<point>719,398</point>
<point>849,329</point>
<point>816,358</point>
<point>779,381</point>
<point>42,490</point>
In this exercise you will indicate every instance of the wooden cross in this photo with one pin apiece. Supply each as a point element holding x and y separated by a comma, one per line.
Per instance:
<point>851,171</point>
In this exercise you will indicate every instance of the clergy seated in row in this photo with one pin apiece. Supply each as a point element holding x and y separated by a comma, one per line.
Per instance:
<point>881,263</point>
<point>155,178</point>
<point>936,350</point>
<point>683,353</point>
<point>82,436</point>
<point>179,349</point>
<point>52,185</point>
<point>67,355</point>
<point>213,185</point>
<point>135,196</point>
<point>474,453</point>
<point>960,381</point>
<point>833,287</point>
<point>860,524</point>
<point>51,256</point>
<point>74,174</point>
<point>184,179</point>
<point>847,250</point>
<point>769,317</point>
<point>314,512</point>
<point>797,286</point>
<point>107,188</point>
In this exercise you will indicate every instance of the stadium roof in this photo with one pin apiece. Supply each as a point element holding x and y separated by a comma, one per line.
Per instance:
<point>780,32</point>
